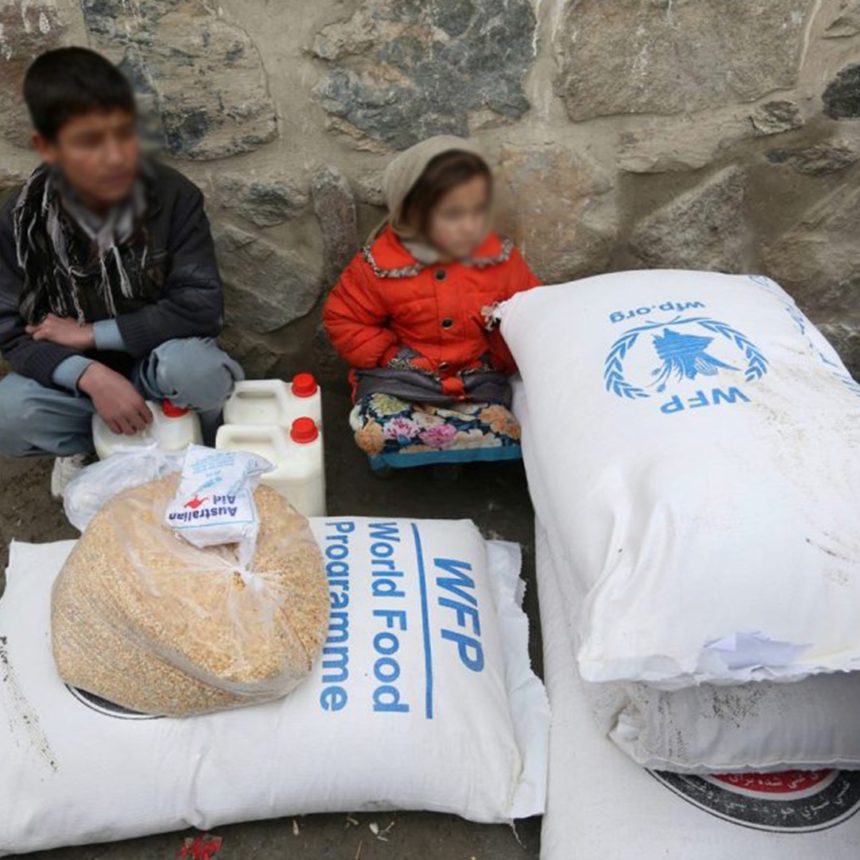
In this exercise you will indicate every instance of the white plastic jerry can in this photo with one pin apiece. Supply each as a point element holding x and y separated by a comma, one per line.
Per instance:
<point>172,429</point>
<point>297,455</point>
<point>273,401</point>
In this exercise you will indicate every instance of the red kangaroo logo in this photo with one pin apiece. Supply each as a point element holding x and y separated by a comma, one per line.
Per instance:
<point>195,502</point>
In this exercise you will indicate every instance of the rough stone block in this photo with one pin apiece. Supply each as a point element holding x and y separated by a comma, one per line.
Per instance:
<point>402,71</point>
<point>691,142</point>
<point>776,117</point>
<point>265,201</point>
<point>820,159</point>
<point>703,228</point>
<point>818,262</point>
<point>842,96</point>
<point>266,286</point>
<point>257,358</point>
<point>674,56</point>
<point>334,206</point>
<point>368,188</point>
<point>679,144</point>
<point>201,75</point>
<point>846,21</point>
<point>26,30</point>
<point>558,207</point>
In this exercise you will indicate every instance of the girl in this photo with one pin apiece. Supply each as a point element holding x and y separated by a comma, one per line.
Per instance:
<point>411,315</point>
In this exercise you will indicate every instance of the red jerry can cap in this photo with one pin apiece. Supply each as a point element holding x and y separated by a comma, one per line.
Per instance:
<point>304,385</point>
<point>304,431</point>
<point>173,411</point>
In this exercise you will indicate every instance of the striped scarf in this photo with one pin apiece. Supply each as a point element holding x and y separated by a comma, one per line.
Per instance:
<point>55,262</point>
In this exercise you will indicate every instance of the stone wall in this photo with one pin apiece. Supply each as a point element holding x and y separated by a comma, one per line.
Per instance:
<point>718,134</point>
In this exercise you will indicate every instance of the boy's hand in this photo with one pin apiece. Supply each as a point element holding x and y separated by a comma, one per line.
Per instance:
<point>116,400</point>
<point>65,332</point>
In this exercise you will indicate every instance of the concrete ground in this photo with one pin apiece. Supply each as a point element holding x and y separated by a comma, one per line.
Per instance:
<point>495,497</point>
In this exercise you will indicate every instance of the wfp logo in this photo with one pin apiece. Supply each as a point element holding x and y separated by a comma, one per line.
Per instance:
<point>684,356</point>
<point>681,353</point>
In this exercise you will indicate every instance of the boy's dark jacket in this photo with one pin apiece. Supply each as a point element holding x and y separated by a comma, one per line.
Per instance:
<point>186,301</point>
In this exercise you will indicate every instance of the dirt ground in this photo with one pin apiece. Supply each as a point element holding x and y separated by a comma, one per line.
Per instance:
<point>495,497</point>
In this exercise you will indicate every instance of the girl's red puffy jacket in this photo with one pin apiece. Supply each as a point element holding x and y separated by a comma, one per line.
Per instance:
<point>386,300</point>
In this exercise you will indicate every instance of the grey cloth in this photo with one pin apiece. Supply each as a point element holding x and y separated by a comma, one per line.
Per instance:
<point>191,372</point>
<point>180,271</point>
<point>416,386</point>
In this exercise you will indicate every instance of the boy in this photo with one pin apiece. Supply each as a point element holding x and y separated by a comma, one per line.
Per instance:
<point>109,289</point>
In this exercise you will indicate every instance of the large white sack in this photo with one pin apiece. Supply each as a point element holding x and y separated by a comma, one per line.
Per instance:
<point>757,726</point>
<point>411,707</point>
<point>602,806</point>
<point>698,442</point>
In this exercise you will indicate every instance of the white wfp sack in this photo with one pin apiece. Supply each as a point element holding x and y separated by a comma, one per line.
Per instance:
<point>758,726</point>
<point>424,699</point>
<point>602,806</point>
<point>699,444</point>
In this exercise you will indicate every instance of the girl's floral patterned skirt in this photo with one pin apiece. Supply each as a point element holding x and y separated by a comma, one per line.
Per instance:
<point>398,434</point>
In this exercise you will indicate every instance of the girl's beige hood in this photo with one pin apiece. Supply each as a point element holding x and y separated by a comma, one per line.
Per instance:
<point>405,169</point>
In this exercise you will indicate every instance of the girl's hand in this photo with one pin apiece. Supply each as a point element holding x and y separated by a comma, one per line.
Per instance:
<point>489,317</point>
<point>408,358</point>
